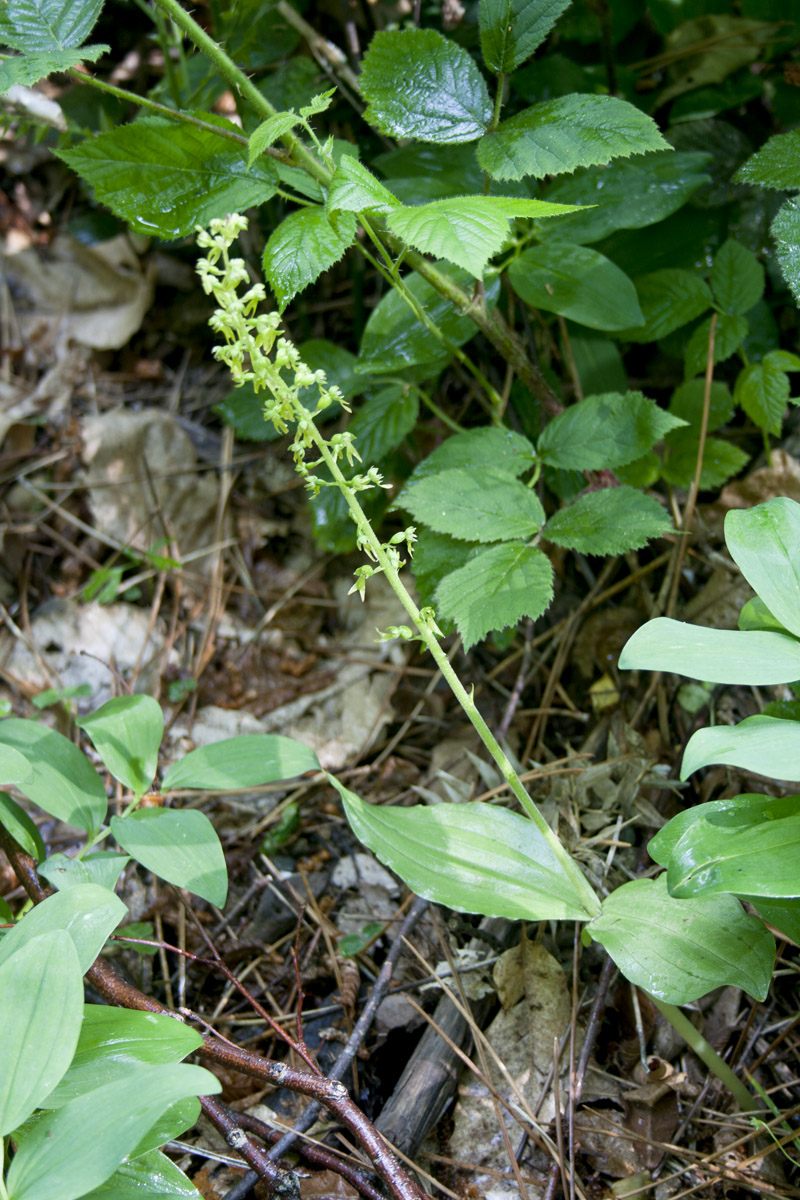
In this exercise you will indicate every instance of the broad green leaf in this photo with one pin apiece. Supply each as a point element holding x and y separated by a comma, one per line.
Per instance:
<point>62,780</point>
<point>556,136</point>
<point>627,195</point>
<point>466,230</point>
<point>733,812</point>
<point>721,459</point>
<point>688,400</point>
<point>765,745</point>
<point>126,732</point>
<point>512,29</point>
<point>575,282</point>
<point>491,447</point>
<point>103,868</point>
<point>113,1040</point>
<point>472,857</point>
<point>88,913</point>
<point>610,521</point>
<point>383,422</point>
<point>786,232</point>
<point>304,245</point>
<point>737,278</point>
<point>40,25</point>
<point>783,914</point>
<point>419,84</point>
<point>437,555</point>
<point>269,132</point>
<point>41,1009</point>
<point>496,588</point>
<point>28,69</point>
<point>731,330</point>
<point>172,1123</point>
<point>606,431</point>
<point>678,950</point>
<point>669,299</point>
<point>776,164</point>
<point>394,339</point>
<point>180,846</point>
<point>763,391</point>
<point>475,506</point>
<point>239,762</point>
<point>754,614</point>
<point>152,1175</point>
<point>164,179</point>
<point>62,1153</point>
<point>712,655</point>
<point>764,542</point>
<point>17,822</point>
<point>355,189</point>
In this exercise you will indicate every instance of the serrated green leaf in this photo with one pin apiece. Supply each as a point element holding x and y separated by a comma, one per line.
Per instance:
<point>165,179</point>
<point>126,732</point>
<point>152,1175</point>
<point>786,232</point>
<point>88,913</point>
<point>466,230</point>
<point>512,29</point>
<point>737,278</point>
<point>575,282</point>
<point>250,760</point>
<point>61,779</point>
<point>494,589</point>
<point>41,1009</point>
<point>485,506</point>
<point>765,745</point>
<point>437,555</point>
<point>610,521</point>
<point>353,188</point>
<point>689,398</point>
<point>180,846</point>
<point>490,447</point>
<point>419,84</point>
<point>39,25</point>
<point>304,245</point>
<point>557,136</point>
<point>605,431</point>
<point>732,812</point>
<point>776,164</point>
<point>678,950</point>
<point>269,132</point>
<point>764,542</point>
<point>668,299</point>
<point>763,392</point>
<point>712,655</point>
<point>28,69</point>
<point>730,332</point>
<point>17,822</point>
<point>472,857</point>
<point>383,422</point>
<point>721,460</point>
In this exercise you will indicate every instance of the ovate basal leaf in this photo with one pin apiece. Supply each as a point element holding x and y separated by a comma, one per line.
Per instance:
<point>764,745</point>
<point>496,588</point>
<point>512,29</point>
<point>150,1175</point>
<point>472,857</point>
<point>250,760</point>
<point>605,431</point>
<point>126,732</point>
<point>762,859</point>
<point>484,506</point>
<point>681,949</point>
<point>712,655</point>
<point>765,544</point>
<point>733,812</point>
<point>610,521</point>
<point>575,282</point>
<point>180,846</point>
<point>87,912</point>
<point>304,245</point>
<point>61,781</point>
<point>16,821</point>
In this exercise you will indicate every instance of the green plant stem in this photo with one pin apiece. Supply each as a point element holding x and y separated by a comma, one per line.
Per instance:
<point>464,698</point>
<point>498,101</point>
<point>707,1054</point>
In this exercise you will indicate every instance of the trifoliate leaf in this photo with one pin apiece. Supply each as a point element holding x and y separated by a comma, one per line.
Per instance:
<point>605,431</point>
<point>763,391</point>
<point>731,330</point>
<point>496,588</point>
<point>669,299</point>
<point>304,245</point>
<point>737,278</point>
<point>268,132</point>
<point>490,447</point>
<point>610,521</point>
<point>28,69</point>
<point>355,189</point>
<point>512,29</point>
<point>475,506</point>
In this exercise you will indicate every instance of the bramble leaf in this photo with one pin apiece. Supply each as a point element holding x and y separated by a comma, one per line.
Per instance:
<point>304,245</point>
<point>610,521</point>
<point>512,29</point>
<point>494,589</point>
<point>605,431</point>
<point>763,391</point>
<point>668,298</point>
<point>269,132</point>
<point>484,506</point>
<point>40,25</point>
<point>575,282</point>
<point>353,188</point>
<point>737,278</point>
<point>731,330</point>
<point>28,69</point>
<point>785,230</point>
<point>776,164</point>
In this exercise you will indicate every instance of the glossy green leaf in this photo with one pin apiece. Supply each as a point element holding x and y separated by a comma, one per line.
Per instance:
<point>126,732</point>
<point>730,332</point>
<point>306,243</point>
<point>150,1175</point>
<point>489,447</point>
<point>485,506</point>
<point>62,1153</point>
<point>764,542</point>
<point>763,390</point>
<point>103,868</point>
<point>712,655</point>
<point>754,614</point>
<point>472,857</point>
<point>172,1123</point>
<point>250,760</point>
<point>512,29</point>
<point>269,132</point>
<point>575,282</point>
<point>62,780</point>
<point>466,230</point>
<point>419,84</point>
<point>669,299</point>
<point>180,846</point>
<point>765,745</point>
<point>678,950</point>
<point>383,422</point>
<point>40,25</point>
<point>494,589</point>
<point>783,914</point>
<point>87,912</point>
<point>776,164</point>
<point>786,233</point>
<point>556,136</point>
<point>16,821</point>
<point>41,1009</point>
<point>610,521</point>
<point>437,555</point>
<point>605,431</point>
<point>758,856</point>
<point>737,278</point>
<point>732,812</point>
<point>27,69</point>
<point>165,179</point>
<point>355,189</point>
